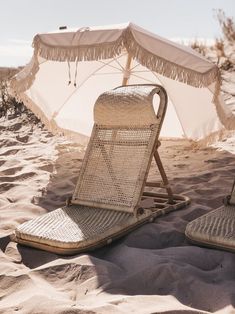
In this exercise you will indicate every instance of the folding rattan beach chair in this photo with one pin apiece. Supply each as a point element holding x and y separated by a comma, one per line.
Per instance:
<point>109,199</point>
<point>217,228</point>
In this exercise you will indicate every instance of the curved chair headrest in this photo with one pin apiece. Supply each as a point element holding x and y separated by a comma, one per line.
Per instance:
<point>130,105</point>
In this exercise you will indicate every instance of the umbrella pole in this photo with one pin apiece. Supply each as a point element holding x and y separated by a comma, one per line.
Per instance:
<point>114,132</point>
<point>126,75</point>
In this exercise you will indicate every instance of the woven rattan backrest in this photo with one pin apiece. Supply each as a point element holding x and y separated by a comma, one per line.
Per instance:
<point>121,147</point>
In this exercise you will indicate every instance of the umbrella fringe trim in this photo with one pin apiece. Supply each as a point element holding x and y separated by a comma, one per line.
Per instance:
<point>51,125</point>
<point>226,117</point>
<point>78,53</point>
<point>111,50</point>
<point>166,67</point>
<point>24,79</point>
<point>213,137</point>
<point>56,130</point>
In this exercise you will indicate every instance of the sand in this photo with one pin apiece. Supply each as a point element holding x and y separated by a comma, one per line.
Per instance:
<point>154,269</point>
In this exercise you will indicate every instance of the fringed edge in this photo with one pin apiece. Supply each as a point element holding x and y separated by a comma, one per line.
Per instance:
<point>17,86</point>
<point>106,51</point>
<point>51,125</point>
<point>113,49</point>
<point>78,53</point>
<point>110,50</point>
<point>168,68</point>
<point>227,119</point>
<point>209,140</point>
<point>212,138</point>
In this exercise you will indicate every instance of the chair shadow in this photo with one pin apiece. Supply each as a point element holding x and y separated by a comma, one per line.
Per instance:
<point>155,259</point>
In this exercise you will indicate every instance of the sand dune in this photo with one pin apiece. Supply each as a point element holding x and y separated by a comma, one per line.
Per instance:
<point>151,270</point>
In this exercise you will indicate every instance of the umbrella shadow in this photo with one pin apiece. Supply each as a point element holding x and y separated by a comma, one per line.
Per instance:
<point>194,276</point>
<point>130,271</point>
<point>147,261</point>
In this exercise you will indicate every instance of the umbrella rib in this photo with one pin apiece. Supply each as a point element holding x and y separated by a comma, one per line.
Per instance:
<point>94,73</point>
<point>135,66</point>
<point>111,66</point>
<point>107,73</point>
<point>142,71</point>
<point>120,63</point>
<point>142,78</point>
<point>114,59</point>
<point>44,61</point>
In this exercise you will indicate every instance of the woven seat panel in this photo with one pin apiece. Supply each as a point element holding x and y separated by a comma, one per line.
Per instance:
<point>114,167</point>
<point>216,227</point>
<point>71,224</point>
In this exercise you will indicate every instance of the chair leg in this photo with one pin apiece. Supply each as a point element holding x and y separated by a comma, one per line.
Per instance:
<point>164,177</point>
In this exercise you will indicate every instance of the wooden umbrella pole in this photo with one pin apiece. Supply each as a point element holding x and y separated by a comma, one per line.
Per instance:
<point>108,157</point>
<point>127,69</point>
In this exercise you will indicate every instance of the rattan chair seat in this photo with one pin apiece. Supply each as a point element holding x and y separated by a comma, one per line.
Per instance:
<point>107,201</point>
<point>215,229</point>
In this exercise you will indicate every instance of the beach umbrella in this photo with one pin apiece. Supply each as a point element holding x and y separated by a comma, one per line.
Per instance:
<point>71,68</point>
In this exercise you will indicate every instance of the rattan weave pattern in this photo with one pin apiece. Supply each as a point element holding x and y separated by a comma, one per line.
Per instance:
<point>120,149</point>
<point>126,106</point>
<point>118,161</point>
<point>111,181</point>
<point>216,228</point>
<point>70,225</point>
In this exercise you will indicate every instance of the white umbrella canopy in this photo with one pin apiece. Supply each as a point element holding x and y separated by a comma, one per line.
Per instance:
<point>70,69</point>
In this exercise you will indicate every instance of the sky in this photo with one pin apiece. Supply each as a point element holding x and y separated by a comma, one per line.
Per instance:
<point>21,20</point>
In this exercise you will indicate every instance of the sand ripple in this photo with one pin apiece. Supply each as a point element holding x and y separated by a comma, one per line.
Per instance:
<point>151,270</point>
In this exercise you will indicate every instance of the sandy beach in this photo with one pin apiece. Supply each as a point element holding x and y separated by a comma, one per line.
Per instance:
<point>154,269</point>
<point>66,66</point>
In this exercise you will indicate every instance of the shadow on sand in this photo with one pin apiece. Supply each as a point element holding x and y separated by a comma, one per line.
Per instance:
<point>155,259</point>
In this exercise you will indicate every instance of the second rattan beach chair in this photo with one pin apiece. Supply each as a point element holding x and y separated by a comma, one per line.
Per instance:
<point>109,199</point>
<point>217,228</point>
